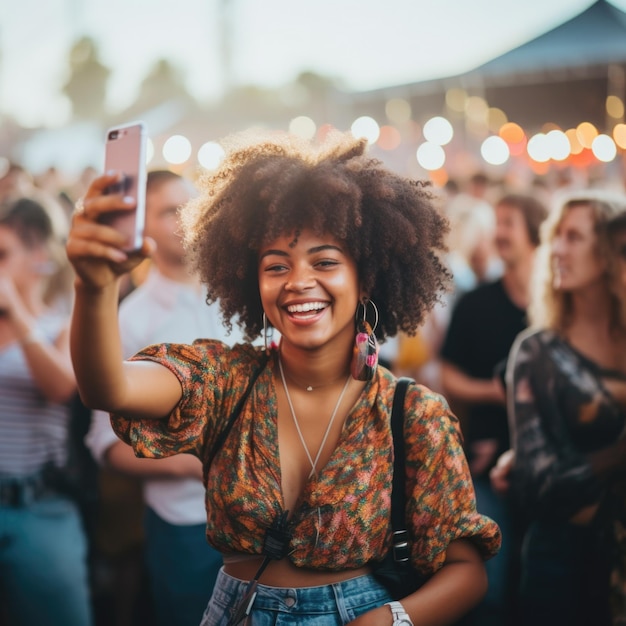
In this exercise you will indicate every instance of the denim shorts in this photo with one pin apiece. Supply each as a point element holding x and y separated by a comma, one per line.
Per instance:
<point>327,605</point>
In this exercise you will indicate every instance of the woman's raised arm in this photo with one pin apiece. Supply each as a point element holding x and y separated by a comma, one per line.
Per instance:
<point>105,380</point>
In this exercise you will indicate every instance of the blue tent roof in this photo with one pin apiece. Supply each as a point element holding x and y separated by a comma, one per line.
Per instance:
<point>596,36</point>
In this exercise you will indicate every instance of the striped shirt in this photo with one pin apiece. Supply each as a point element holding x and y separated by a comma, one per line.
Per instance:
<point>33,430</point>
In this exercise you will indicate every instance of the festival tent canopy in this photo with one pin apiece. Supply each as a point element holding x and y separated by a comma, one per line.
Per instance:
<point>594,38</point>
<point>562,76</point>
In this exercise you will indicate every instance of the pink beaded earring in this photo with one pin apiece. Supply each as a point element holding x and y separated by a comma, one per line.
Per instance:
<point>365,353</point>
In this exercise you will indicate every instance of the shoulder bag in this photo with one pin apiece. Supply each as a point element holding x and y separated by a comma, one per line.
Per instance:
<point>395,571</point>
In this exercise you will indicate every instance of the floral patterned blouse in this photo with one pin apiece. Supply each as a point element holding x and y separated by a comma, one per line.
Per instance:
<point>342,519</point>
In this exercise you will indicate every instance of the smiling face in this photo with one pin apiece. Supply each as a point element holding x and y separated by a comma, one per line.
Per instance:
<point>309,290</point>
<point>576,263</point>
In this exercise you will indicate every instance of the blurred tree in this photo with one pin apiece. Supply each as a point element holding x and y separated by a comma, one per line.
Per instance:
<point>251,101</point>
<point>316,84</point>
<point>320,95</point>
<point>164,82</point>
<point>87,85</point>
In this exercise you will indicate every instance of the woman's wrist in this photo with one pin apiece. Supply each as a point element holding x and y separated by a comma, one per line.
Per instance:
<point>91,297</point>
<point>84,287</point>
<point>33,335</point>
<point>26,329</point>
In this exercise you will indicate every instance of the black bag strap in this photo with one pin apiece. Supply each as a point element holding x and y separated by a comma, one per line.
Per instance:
<point>400,544</point>
<point>219,442</point>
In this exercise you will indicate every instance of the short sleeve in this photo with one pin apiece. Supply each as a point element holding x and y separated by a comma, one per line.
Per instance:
<point>199,368</point>
<point>441,503</point>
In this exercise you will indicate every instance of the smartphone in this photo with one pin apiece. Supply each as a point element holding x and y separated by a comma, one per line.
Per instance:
<point>125,151</point>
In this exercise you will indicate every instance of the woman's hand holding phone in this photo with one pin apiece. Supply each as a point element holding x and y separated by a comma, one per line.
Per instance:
<point>125,151</point>
<point>95,249</point>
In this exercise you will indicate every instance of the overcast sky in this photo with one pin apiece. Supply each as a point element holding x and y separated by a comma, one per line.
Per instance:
<point>365,43</point>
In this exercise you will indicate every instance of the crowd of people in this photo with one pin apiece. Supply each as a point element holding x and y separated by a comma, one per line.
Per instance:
<point>198,433</point>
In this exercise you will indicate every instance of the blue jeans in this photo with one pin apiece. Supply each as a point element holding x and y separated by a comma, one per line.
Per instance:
<point>182,570</point>
<point>327,605</point>
<point>43,564</point>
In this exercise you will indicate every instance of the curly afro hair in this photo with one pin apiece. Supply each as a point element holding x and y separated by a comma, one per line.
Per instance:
<point>281,185</point>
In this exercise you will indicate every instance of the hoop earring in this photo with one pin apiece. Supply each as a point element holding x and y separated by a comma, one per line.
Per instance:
<point>365,352</point>
<point>364,304</point>
<point>268,334</point>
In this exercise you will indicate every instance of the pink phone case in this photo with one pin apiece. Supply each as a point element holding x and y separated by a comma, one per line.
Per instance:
<point>125,151</point>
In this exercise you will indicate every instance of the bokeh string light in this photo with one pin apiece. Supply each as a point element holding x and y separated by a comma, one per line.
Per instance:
<point>434,141</point>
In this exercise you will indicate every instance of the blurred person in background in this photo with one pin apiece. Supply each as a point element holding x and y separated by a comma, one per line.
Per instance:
<point>472,255</point>
<point>170,305</point>
<point>15,182</point>
<point>18,183</point>
<point>484,323</point>
<point>54,183</point>
<point>473,260</point>
<point>478,186</point>
<point>43,545</point>
<point>451,188</point>
<point>79,187</point>
<point>566,384</point>
<point>617,230</point>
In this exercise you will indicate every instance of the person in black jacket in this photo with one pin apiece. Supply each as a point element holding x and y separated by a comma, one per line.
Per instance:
<point>483,326</point>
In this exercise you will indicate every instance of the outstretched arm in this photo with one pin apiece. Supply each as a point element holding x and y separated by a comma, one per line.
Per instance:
<point>105,380</point>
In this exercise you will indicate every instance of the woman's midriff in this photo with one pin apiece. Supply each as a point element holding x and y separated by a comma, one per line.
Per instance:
<point>284,573</point>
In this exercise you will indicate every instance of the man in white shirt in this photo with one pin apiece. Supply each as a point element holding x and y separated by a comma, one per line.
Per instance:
<point>168,306</point>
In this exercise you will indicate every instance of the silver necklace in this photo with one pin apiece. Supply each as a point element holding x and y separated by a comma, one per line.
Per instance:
<point>295,419</point>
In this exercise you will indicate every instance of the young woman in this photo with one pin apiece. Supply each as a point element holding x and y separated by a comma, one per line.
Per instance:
<point>43,547</point>
<point>567,405</point>
<point>333,251</point>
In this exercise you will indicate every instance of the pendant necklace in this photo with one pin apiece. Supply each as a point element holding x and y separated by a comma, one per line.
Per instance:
<point>295,419</point>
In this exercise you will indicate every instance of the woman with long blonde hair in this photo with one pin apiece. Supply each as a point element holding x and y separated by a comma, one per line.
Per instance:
<point>566,382</point>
